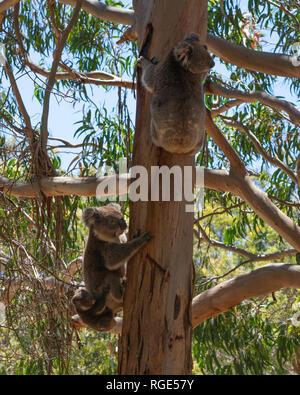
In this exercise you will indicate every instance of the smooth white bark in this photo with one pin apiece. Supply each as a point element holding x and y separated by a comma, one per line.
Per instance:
<point>105,12</point>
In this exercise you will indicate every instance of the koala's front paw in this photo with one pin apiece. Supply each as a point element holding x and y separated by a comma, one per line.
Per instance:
<point>147,236</point>
<point>154,60</point>
<point>137,234</point>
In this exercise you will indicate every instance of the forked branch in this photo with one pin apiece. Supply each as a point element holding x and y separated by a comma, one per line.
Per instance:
<point>273,160</point>
<point>222,180</point>
<point>235,161</point>
<point>246,254</point>
<point>276,104</point>
<point>28,130</point>
<point>219,180</point>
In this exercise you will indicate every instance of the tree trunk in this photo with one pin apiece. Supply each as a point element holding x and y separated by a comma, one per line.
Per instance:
<point>157,329</point>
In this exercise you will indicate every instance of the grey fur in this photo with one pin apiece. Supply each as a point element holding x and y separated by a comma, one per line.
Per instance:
<point>177,107</point>
<point>105,255</point>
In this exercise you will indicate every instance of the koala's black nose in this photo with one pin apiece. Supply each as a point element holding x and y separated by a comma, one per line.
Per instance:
<point>123,224</point>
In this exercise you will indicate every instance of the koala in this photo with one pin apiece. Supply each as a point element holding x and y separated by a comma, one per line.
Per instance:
<point>105,255</point>
<point>177,107</point>
<point>92,311</point>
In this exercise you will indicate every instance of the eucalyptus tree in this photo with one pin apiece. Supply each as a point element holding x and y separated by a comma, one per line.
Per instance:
<point>249,160</point>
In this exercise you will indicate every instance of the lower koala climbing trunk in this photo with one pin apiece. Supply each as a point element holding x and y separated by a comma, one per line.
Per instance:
<point>157,331</point>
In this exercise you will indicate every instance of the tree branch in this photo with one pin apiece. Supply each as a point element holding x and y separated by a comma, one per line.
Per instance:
<point>116,82</point>
<point>259,282</point>
<point>226,247</point>
<point>91,77</point>
<point>219,211</point>
<point>67,144</point>
<point>251,257</point>
<point>28,131</point>
<point>63,186</point>
<point>5,4</point>
<point>284,202</point>
<point>105,12</point>
<point>286,11</point>
<point>263,62</point>
<point>265,209</point>
<point>51,79</point>
<point>227,106</point>
<point>12,286</point>
<point>273,160</point>
<point>72,269</point>
<point>222,142</point>
<point>219,180</point>
<point>222,180</point>
<point>250,97</point>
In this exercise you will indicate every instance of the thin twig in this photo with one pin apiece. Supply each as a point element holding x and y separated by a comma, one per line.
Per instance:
<point>276,104</point>
<point>51,79</point>
<point>273,160</point>
<point>28,131</point>
<point>231,103</point>
<point>251,257</point>
<point>235,161</point>
<point>216,212</point>
<point>286,11</point>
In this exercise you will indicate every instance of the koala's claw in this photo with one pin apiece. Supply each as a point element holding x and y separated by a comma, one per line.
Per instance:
<point>147,236</point>
<point>154,60</point>
<point>137,234</point>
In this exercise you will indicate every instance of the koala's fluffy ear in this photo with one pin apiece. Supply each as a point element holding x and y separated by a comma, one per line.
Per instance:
<point>115,206</point>
<point>183,53</point>
<point>88,216</point>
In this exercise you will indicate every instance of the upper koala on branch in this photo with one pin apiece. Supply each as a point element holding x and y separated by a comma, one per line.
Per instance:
<point>177,108</point>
